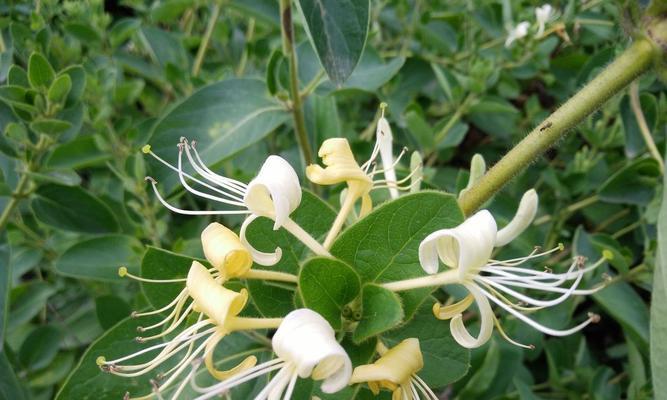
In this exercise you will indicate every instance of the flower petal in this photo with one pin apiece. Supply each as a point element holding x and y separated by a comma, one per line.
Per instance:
<point>522,219</point>
<point>459,331</point>
<point>260,257</point>
<point>467,246</point>
<point>224,250</point>
<point>307,340</point>
<point>211,298</point>
<point>384,138</point>
<point>275,192</point>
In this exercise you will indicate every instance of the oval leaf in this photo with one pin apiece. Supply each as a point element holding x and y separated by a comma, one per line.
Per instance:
<point>99,258</point>
<point>381,311</point>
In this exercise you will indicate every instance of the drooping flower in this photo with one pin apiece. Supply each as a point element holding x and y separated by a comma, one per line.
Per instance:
<point>221,308</point>
<point>396,370</point>
<point>274,193</point>
<point>466,250</point>
<point>518,32</point>
<point>305,346</point>
<point>543,14</point>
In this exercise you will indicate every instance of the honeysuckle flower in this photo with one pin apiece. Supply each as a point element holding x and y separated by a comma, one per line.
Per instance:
<point>305,346</point>
<point>383,142</point>
<point>274,193</point>
<point>543,14</point>
<point>518,32</point>
<point>396,370</point>
<point>466,250</point>
<point>218,309</point>
<point>341,166</point>
<point>225,251</point>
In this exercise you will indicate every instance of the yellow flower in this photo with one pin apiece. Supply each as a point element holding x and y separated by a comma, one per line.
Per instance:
<point>224,250</point>
<point>396,370</point>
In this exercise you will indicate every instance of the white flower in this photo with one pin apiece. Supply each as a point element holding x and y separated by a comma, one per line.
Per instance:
<point>518,32</point>
<point>396,370</point>
<point>306,347</point>
<point>543,15</point>
<point>274,193</point>
<point>467,248</point>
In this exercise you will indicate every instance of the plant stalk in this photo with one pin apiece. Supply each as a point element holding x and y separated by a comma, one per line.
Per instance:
<point>14,200</point>
<point>201,51</point>
<point>620,73</point>
<point>287,34</point>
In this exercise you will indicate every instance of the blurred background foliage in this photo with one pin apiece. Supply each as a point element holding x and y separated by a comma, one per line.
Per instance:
<point>85,84</point>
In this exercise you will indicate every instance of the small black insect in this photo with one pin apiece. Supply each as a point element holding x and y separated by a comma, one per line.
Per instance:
<point>546,126</point>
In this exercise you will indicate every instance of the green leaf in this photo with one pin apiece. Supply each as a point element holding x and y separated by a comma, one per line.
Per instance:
<point>10,387</point>
<point>5,283</point>
<point>80,152</point>
<point>40,347</point>
<point>72,209</point>
<point>123,30</point>
<point>634,141</point>
<point>380,311</point>
<point>99,258</point>
<point>327,285</point>
<point>224,118</point>
<point>83,32</point>
<point>315,217</point>
<point>17,76</point>
<point>337,31</point>
<point>53,373</point>
<point>77,75</point>
<point>445,361</point>
<point>27,301</point>
<point>59,89</point>
<point>383,247</point>
<point>658,331</point>
<point>633,184</point>
<point>111,310</point>
<point>66,177</point>
<point>50,126</point>
<point>40,72</point>
<point>624,304</point>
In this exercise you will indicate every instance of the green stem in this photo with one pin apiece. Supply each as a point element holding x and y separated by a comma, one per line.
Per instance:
<point>570,209</point>
<point>213,18</point>
<point>14,200</point>
<point>643,126</point>
<point>633,62</point>
<point>287,33</point>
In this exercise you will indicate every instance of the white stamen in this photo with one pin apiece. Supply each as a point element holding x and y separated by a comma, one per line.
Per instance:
<point>190,212</point>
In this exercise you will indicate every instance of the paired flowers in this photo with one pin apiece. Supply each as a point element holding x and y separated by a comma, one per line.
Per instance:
<point>543,15</point>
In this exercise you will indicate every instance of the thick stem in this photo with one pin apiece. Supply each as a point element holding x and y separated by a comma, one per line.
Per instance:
<point>633,62</point>
<point>305,238</point>
<point>643,126</point>
<point>443,278</point>
<point>287,33</point>
<point>199,58</point>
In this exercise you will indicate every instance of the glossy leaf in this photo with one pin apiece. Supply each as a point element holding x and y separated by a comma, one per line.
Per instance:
<point>337,31</point>
<point>380,311</point>
<point>40,72</point>
<point>633,184</point>
<point>327,285</point>
<point>99,258</point>
<point>72,209</point>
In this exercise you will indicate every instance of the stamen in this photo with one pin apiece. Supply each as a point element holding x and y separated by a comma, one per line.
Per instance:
<point>505,336</point>
<point>391,185</point>
<point>395,163</point>
<point>534,324</point>
<point>423,387</point>
<point>236,202</point>
<point>122,272</point>
<point>414,171</point>
<point>184,292</point>
<point>247,375</point>
<point>173,326</point>
<point>190,212</point>
<point>240,185</point>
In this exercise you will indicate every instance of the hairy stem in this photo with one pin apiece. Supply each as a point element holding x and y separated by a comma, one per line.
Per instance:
<point>287,33</point>
<point>633,62</point>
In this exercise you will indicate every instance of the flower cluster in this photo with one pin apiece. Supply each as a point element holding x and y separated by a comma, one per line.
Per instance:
<point>305,345</point>
<point>543,15</point>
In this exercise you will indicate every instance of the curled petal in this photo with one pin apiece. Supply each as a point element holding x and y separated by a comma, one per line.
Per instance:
<point>467,246</point>
<point>275,192</point>
<point>452,310</point>
<point>396,366</point>
<point>260,257</point>
<point>522,219</point>
<point>221,375</point>
<point>306,340</point>
<point>340,167</point>
<point>459,331</point>
<point>384,138</point>
<point>224,250</point>
<point>209,297</point>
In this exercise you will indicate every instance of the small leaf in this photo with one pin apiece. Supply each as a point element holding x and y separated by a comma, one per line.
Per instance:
<point>111,310</point>
<point>337,31</point>
<point>40,347</point>
<point>623,303</point>
<point>635,183</point>
<point>59,89</point>
<point>50,126</point>
<point>326,286</point>
<point>10,387</point>
<point>27,301</point>
<point>66,177</point>
<point>17,76</point>
<point>72,209</point>
<point>78,78</point>
<point>381,311</point>
<point>99,258</point>
<point>40,72</point>
<point>83,32</point>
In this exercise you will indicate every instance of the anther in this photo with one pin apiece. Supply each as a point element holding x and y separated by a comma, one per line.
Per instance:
<point>140,329</point>
<point>122,271</point>
<point>561,246</point>
<point>100,361</point>
<point>126,396</point>
<point>150,179</point>
<point>133,314</point>
<point>595,318</point>
<point>139,339</point>
<point>580,261</point>
<point>146,149</point>
<point>548,270</point>
<point>531,346</point>
<point>606,277</point>
<point>537,248</point>
<point>607,254</point>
